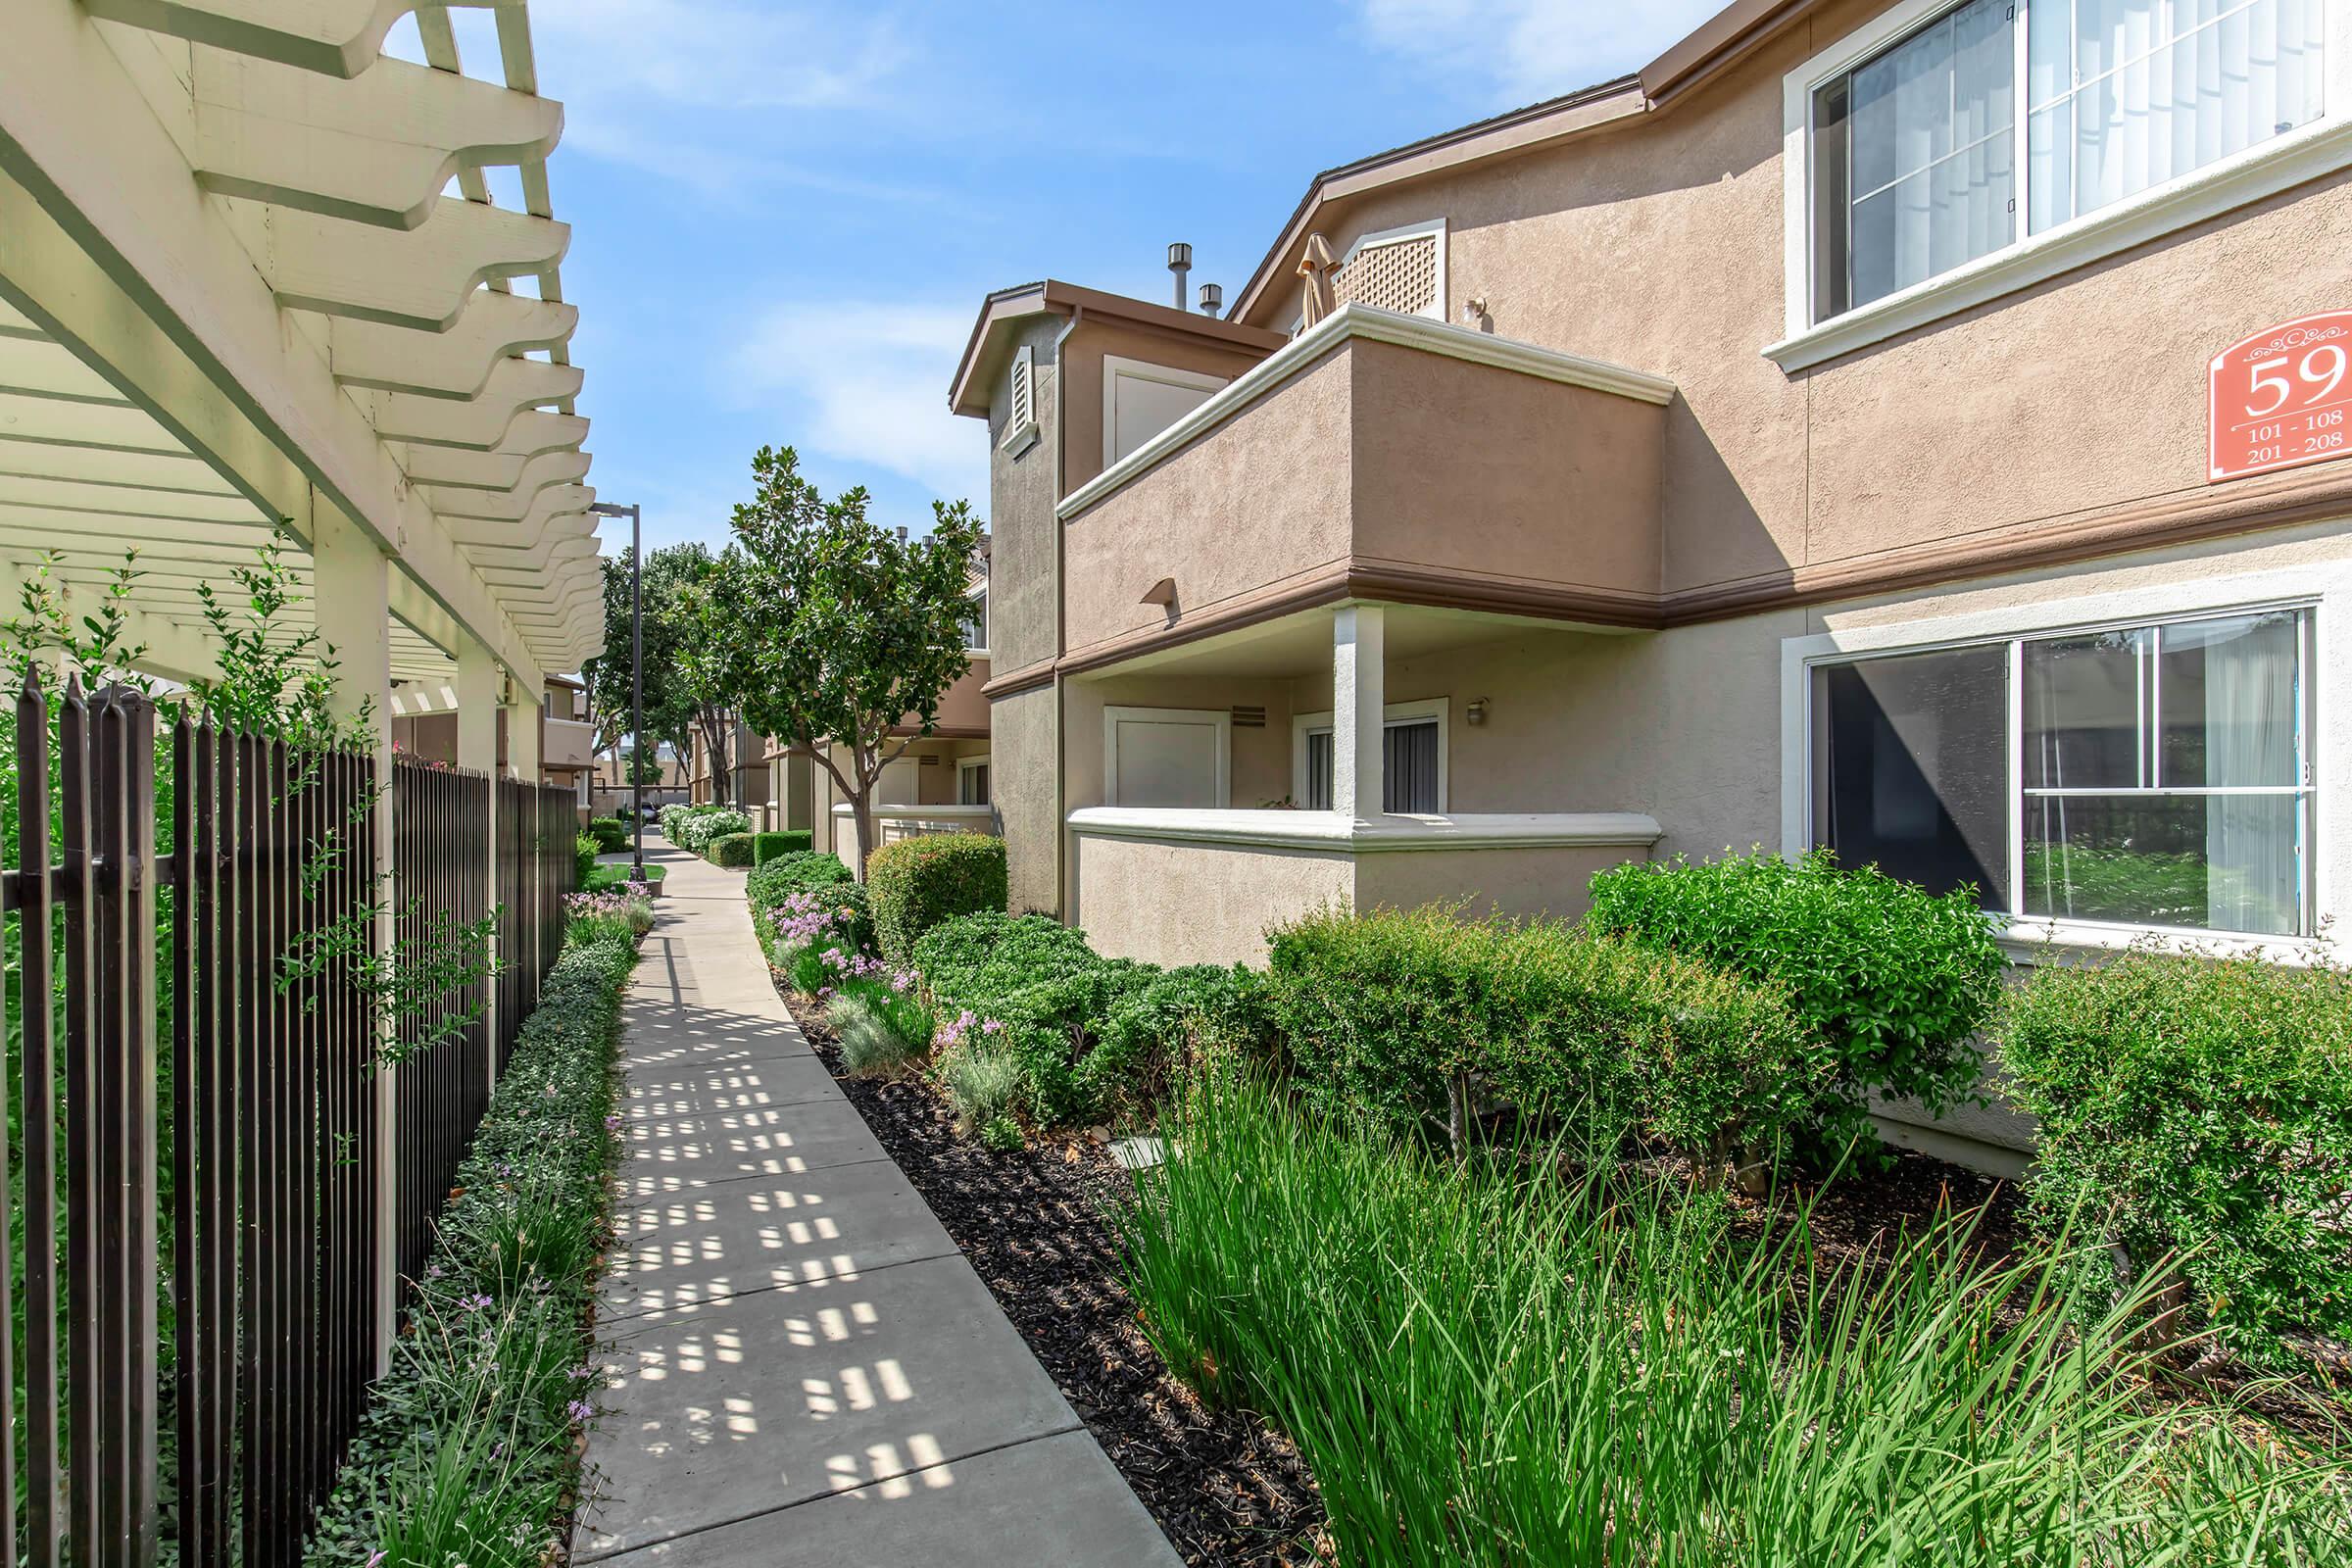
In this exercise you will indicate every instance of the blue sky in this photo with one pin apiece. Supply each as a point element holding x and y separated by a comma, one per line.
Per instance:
<point>785,215</point>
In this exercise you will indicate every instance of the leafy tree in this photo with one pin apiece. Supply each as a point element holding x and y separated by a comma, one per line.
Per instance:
<point>681,695</point>
<point>832,629</point>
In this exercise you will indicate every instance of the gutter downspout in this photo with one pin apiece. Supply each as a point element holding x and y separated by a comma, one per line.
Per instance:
<point>1061,645</point>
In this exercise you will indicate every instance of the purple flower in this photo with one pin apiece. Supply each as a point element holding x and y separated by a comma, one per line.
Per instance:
<point>474,1302</point>
<point>581,1410</point>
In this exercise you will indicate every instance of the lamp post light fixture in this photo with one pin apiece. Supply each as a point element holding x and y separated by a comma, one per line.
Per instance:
<point>606,508</point>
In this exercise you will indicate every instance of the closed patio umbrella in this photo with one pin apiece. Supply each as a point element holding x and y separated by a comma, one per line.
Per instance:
<point>1315,265</point>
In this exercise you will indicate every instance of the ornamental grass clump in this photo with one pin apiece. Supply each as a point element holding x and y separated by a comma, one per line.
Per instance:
<point>1535,1358</point>
<point>2197,1111</point>
<point>879,1014</point>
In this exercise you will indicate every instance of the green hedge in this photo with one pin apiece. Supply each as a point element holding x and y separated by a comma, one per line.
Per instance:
<point>1091,1036</point>
<point>732,851</point>
<point>2198,1107</point>
<point>611,833</point>
<point>918,882</point>
<point>584,851</point>
<point>765,847</point>
<point>1896,982</point>
<point>468,1440</point>
<point>1382,1014</point>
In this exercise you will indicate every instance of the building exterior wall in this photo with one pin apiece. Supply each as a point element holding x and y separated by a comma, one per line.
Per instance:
<point>1658,245</point>
<point>1174,903</point>
<point>1023,533</point>
<point>1094,340</point>
<point>1021,769</point>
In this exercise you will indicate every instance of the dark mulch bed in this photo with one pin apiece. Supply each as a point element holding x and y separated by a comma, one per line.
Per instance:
<point>1225,1489</point>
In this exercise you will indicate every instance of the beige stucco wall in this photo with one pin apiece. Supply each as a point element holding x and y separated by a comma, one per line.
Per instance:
<point>1021,763</point>
<point>1549,881</point>
<point>1022,529</point>
<point>1172,904</point>
<point>1659,244</point>
<point>1083,352</point>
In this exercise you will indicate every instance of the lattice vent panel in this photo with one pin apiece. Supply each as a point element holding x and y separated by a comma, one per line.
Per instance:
<point>1401,275</point>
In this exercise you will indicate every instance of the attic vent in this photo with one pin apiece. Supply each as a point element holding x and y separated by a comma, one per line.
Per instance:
<point>1248,718</point>
<point>1024,392</point>
<point>1398,273</point>
<point>928,761</point>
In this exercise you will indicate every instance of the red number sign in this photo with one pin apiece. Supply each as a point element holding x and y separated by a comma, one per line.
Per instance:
<point>2281,397</point>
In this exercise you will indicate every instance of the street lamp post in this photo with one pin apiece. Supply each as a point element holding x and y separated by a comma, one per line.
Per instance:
<point>606,508</point>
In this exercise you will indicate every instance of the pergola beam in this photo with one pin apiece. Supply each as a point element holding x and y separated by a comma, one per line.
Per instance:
<point>458,362</point>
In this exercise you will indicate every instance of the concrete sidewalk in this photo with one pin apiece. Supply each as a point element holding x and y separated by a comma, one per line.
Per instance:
<point>801,1366</point>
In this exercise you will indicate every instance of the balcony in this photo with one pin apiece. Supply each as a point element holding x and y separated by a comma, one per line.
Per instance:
<point>567,744</point>
<point>1378,456</point>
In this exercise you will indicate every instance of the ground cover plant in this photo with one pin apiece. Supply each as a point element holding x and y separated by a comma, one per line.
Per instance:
<point>1391,1016</point>
<point>2197,1110</point>
<point>612,875</point>
<point>1532,1358</point>
<point>1896,981</point>
<point>468,1451</point>
<point>1093,1036</point>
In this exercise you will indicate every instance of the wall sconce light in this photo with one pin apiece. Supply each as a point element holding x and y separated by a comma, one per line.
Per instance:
<point>1477,713</point>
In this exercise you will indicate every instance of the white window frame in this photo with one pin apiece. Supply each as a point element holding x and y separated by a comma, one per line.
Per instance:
<point>987,632</point>
<point>2303,154</point>
<point>1439,709</point>
<point>1218,720</point>
<point>1115,366</point>
<point>2324,591</point>
<point>965,765</point>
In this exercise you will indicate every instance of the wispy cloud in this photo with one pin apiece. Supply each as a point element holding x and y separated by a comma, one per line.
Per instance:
<point>716,54</point>
<point>1524,50</point>
<point>869,383</point>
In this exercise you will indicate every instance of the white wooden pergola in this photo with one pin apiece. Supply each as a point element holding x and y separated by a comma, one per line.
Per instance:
<point>251,273</point>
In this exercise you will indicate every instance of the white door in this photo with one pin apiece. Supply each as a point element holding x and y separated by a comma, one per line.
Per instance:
<point>900,783</point>
<point>1158,757</point>
<point>1141,399</point>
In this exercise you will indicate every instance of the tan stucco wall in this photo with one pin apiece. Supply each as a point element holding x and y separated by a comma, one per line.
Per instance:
<point>1021,778</point>
<point>1083,353</point>
<point>1173,903</point>
<point>1268,498</point>
<point>1022,529</point>
<point>1531,882</point>
<point>1659,246</point>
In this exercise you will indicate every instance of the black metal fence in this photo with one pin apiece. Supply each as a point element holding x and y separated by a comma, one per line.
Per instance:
<point>198,1010</point>
<point>536,867</point>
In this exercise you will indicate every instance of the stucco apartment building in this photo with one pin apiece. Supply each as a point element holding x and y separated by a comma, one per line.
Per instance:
<point>1914,428</point>
<point>425,723</point>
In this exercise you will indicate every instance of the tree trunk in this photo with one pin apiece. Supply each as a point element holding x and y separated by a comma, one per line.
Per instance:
<point>1457,1114</point>
<point>861,813</point>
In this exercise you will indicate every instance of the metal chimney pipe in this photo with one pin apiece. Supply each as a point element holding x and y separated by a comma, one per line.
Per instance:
<point>1212,299</point>
<point>1180,261</point>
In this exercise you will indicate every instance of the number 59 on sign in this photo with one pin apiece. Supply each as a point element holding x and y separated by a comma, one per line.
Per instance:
<point>2280,398</point>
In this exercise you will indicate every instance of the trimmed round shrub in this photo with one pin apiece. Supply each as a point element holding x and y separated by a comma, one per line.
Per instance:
<point>766,846</point>
<point>1896,981</point>
<point>611,833</point>
<point>732,851</point>
<point>916,883</point>
<point>2198,1109</point>
<point>584,851</point>
<point>1383,1014</point>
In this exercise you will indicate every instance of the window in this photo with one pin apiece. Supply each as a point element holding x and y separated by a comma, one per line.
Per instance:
<point>975,623</point>
<point>1412,760</point>
<point>2155,775</point>
<point>972,780</point>
<point>1991,122</point>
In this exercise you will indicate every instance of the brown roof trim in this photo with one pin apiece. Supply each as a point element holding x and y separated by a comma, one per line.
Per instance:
<point>1721,39</point>
<point>2187,516</point>
<point>1053,297</point>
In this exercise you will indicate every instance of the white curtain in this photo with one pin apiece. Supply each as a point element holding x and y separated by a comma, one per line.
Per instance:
<point>2252,711</point>
<point>2126,94</point>
<point>1934,166</point>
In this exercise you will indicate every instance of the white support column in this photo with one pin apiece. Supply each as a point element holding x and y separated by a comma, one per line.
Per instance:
<point>1359,709</point>
<point>479,680</point>
<point>524,728</point>
<point>353,598</point>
